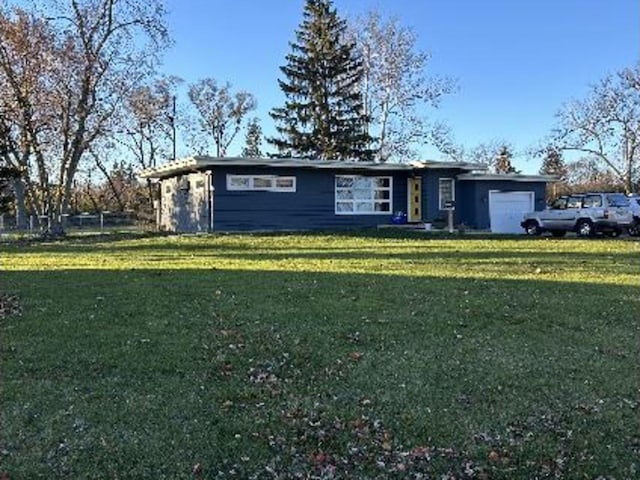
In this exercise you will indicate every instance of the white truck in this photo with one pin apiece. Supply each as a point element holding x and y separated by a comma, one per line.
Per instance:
<point>586,214</point>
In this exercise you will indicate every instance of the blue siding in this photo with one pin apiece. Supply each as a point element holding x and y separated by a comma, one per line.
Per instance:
<point>430,194</point>
<point>474,198</point>
<point>310,207</point>
<point>469,206</point>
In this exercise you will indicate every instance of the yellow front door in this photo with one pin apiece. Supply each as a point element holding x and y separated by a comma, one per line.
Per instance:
<point>414,204</point>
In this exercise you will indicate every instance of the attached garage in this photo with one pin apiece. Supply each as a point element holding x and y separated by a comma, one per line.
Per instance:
<point>506,210</point>
<point>497,202</point>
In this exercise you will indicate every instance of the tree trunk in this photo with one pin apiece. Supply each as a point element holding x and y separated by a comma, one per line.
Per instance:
<point>112,186</point>
<point>382,155</point>
<point>21,207</point>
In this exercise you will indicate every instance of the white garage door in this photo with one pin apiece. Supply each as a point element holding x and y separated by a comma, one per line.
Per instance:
<point>506,210</point>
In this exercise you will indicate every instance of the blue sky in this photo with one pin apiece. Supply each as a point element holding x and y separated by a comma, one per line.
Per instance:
<point>516,61</point>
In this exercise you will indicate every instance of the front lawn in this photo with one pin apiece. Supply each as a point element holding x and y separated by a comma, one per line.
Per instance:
<point>320,356</point>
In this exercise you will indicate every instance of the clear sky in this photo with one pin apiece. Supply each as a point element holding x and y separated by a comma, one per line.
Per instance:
<point>516,61</point>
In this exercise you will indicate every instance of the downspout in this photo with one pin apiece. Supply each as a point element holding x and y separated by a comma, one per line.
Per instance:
<point>158,205</point>
<point>211,192</point>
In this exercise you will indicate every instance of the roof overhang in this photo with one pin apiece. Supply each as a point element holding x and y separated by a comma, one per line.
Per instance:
<point>511,177</point>
<point>434,165</point>
<point>201,163</point>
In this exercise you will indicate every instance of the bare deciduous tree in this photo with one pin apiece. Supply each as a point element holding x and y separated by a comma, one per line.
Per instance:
<point>220,113</point>
<point>26,71</point>
<point>150,122</point>
<point>586,174</point>
<point>146,134</point>
<point>485,153</point>
<point>64,72</point>
<point>395,87</point>
<point>606,125</point>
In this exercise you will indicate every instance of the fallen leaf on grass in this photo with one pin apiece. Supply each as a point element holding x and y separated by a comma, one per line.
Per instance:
<point>320,458</point>
<point>9,305</point>
<point>355,356</point>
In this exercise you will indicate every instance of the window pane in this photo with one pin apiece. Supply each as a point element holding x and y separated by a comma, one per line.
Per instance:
<point>382,182</point>
<point>284,182</point>
<point>574,202</point>
<point>383,207</point>
<point>344,182</point>
<point>361,194</point>
<point>344,207</point>
<point>363,207</point>
<point>238,182</point>
<point>618,200</point>
<point>344,194</point>
<point>262,182</point>
<point>445,191</point>
<point>592,201</point>
<point>382,194</point>
<point>362,183</point>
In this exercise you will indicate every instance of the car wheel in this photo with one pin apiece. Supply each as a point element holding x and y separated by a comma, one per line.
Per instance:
<point>634,229</point>
<point>558,233</point>
<point>584,228</point>
<point>532,228</point>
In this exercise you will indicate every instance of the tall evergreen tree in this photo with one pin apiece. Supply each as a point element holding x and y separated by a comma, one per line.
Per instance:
<point>253,140</point>
<point>323,115</point>
<point>503,161</point>
<point>553,163</point>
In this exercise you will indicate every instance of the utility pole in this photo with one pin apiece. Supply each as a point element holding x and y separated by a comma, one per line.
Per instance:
<point>173,126</point>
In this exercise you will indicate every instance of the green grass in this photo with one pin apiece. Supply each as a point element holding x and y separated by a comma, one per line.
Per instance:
<point>369,355</point>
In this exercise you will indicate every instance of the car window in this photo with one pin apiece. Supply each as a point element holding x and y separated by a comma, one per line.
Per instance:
<point>591,201</point>
<point>574,202</point>
<point>559,204</point>
<point>617,200</point>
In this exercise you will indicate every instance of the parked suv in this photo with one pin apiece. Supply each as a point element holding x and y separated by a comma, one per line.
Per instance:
<point>634,206</point>
<point>586,214</point>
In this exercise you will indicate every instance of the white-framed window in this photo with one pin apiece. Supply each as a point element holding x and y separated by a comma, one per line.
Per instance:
<point>268,183</point>
<point>446,192</point>
<point>360,195</point>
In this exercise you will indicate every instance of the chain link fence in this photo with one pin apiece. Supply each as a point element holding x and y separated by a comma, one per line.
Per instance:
<point>85,221</point>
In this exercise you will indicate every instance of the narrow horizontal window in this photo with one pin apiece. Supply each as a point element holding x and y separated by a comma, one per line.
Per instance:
<point>265,183</point>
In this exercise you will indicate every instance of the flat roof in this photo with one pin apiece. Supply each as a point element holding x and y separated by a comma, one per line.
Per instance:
<point>512,177</point>
<point>199,163</point>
